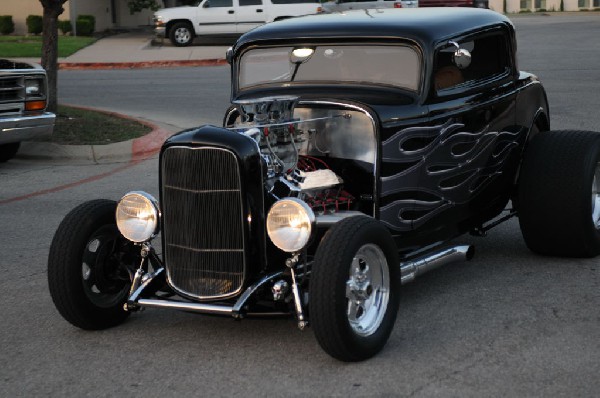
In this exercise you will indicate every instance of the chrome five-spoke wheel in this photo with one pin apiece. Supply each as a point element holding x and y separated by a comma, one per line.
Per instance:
<point>354,288</point>
<point>367,290</point>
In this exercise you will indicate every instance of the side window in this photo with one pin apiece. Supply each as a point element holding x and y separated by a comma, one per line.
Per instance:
<point>490,58</point>
<point>250,2</point>
<point>218,3</point>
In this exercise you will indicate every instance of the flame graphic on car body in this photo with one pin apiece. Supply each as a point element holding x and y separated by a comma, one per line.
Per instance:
<point>445,166</point>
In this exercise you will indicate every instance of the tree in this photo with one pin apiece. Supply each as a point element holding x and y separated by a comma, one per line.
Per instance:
<point>52,10</point>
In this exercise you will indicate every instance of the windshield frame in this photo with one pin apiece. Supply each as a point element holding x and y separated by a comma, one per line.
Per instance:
<point>334,82</point>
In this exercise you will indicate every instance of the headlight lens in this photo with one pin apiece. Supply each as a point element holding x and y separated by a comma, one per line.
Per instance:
<point>137,216</point>
<point>289,224</point>
<point>34,87</point>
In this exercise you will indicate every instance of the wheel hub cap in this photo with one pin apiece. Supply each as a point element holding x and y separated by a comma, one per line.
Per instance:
<point>367,290</point>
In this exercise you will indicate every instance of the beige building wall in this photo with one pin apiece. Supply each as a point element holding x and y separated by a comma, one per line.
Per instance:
<point>106,17</point>
<point>516,6</point>
<point>101,9</point>
<point>20,9</point>
<point>126,20</point>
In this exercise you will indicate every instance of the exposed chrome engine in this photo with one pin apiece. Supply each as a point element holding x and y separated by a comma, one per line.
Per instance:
<point>283,145</point>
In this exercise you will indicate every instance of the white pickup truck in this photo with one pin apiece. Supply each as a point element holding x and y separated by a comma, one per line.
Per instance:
<point>225,17</point>
<point>23,100</point>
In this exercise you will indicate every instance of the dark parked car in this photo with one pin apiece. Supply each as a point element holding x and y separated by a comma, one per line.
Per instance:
<point>356,147</point>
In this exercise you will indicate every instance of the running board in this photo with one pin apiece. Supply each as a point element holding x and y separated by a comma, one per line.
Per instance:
<point>418,266</point>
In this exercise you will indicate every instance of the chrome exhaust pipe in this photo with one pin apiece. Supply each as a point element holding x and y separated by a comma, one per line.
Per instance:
<point>411,269</point>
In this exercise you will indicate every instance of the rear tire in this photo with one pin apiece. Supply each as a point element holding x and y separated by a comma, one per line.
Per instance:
<point>559,194</point>
<point>8,151</point>
<point>354,289</point>
<point>87,274</point>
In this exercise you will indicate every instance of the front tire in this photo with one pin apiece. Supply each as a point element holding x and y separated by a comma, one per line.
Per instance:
<point>181,34</point>
<point>354,289</point>
<point>8,151</point>
<point>88,272</point>
<point>559,194</point>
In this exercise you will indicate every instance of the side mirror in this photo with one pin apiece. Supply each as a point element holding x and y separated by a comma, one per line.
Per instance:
<point>206,4</point>
<point>461,57</point>
<point>229,55</point>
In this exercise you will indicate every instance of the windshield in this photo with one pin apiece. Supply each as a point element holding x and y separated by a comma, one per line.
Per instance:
<point>398,66</point>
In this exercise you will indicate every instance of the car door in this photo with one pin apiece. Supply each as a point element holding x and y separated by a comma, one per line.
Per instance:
<point>471,152</point>
<point>250,14</point>
<point>216,17</point>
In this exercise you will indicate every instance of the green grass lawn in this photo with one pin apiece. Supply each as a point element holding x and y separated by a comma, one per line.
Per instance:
<point>31,46</point>
<point>76,126</point>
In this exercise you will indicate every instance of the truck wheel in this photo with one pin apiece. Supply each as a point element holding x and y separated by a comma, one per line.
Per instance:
<point>181,34</point>
<point>8,151</point>
<point>559,194</point>
<point>354,289</point>
<point>87,274</point>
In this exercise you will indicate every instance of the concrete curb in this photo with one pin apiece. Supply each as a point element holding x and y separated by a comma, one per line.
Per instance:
<point>133,150</point>
<point>140,65</point>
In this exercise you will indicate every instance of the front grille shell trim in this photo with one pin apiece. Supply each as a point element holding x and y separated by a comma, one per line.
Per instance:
<point>170,280</point>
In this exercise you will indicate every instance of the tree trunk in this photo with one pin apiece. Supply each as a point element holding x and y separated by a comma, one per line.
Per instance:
<point>52,9</point>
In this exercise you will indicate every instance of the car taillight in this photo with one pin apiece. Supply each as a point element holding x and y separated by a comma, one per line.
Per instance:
<point>397,5</point>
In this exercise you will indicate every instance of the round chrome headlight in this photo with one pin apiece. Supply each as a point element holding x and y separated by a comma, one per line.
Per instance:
<point>289,224</point>
<point>137,216</point>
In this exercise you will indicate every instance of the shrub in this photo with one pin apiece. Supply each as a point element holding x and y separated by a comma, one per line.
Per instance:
<point>86,25</point>
<point>65,27</point>
<point>34,24</point>
<point>7,26</point>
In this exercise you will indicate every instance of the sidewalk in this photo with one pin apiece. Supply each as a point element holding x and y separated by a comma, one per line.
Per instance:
<point>141,50</point>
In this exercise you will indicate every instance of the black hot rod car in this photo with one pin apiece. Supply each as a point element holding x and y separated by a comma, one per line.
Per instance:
<point>356,147</point>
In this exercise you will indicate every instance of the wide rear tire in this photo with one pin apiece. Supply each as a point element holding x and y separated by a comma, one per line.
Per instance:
<point>88,272</point>
<point>354,289</point>
<point>559,198</point>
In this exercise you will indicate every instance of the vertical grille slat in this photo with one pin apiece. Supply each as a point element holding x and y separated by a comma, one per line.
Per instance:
<point>203,221</point>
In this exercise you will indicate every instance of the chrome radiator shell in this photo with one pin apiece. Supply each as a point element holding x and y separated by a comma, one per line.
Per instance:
<point>203,222</point>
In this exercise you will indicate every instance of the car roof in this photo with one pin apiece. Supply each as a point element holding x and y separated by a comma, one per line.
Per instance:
<point>427,26</point>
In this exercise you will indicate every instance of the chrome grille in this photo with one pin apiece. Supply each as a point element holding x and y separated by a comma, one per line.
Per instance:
<point>11,89</point>
<point>203,221</point>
